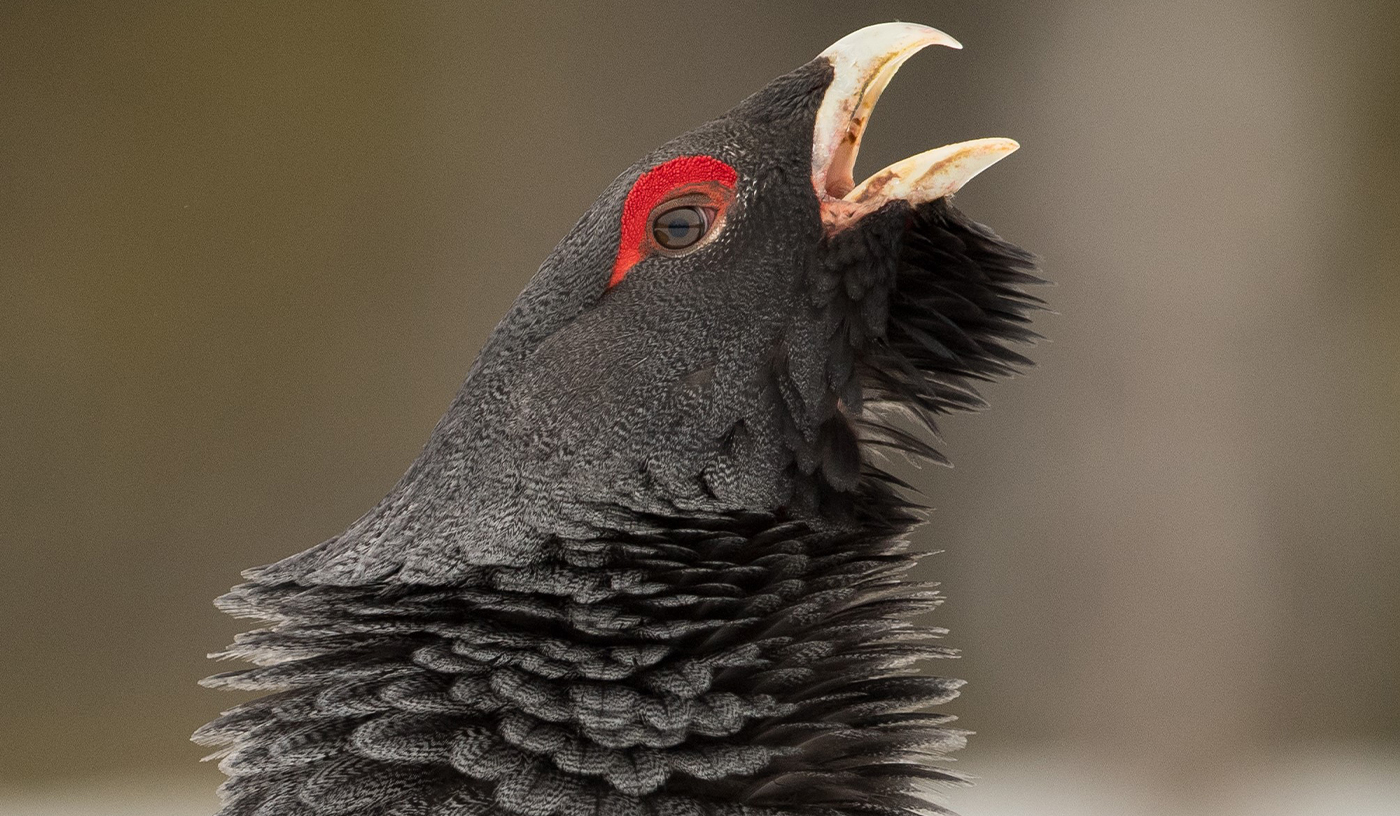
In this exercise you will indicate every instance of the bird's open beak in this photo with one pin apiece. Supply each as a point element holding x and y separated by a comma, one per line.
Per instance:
<point>864,62</point>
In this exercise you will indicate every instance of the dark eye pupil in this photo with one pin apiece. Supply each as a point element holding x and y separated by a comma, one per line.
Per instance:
<point>679,228</point>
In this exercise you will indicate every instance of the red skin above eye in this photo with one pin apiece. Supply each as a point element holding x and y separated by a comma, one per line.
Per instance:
<point>651,189</point>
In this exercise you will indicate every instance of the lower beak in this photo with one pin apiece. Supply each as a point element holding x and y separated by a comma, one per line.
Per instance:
<point>863,63</point>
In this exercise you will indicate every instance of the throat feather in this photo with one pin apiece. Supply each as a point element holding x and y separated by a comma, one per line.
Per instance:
<point>752,665</point>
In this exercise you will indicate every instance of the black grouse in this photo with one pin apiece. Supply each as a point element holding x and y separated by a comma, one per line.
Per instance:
<point>648,563</point>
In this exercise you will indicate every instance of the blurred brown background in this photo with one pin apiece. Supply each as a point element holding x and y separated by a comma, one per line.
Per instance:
<point>248,251</point>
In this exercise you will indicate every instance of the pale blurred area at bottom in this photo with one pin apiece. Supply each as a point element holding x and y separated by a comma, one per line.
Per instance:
<point>1322,780</point>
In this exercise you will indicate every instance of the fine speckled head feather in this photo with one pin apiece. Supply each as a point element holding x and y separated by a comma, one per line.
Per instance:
<point>645,565</point>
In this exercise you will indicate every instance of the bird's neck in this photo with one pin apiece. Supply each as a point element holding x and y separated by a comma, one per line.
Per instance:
<point>717,668</point>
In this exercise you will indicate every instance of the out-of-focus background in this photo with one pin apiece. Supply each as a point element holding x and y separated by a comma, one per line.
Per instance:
<point>248,251</point>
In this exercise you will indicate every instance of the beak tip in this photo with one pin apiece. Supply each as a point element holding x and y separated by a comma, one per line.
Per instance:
<point>933,36</point>
<point>933,173</point>
<point>889,39</point>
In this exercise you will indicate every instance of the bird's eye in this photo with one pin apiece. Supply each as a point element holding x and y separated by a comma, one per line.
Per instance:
<point>680,227</point>
<point>673,209</point>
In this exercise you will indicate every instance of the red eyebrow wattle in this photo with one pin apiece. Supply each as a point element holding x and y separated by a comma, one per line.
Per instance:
<point>649,190</point>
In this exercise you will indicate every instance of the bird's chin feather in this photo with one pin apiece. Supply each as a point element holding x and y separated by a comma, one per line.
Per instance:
<point>919,304</point>
<point>957,306</point>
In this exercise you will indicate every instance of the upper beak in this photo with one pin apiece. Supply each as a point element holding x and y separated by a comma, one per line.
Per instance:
<point>864,62</point>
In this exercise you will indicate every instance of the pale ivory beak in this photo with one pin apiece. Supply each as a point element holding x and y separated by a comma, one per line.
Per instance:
<point>864,62</point>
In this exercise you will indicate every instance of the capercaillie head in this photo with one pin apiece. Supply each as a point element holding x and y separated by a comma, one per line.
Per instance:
<point>647,562</point>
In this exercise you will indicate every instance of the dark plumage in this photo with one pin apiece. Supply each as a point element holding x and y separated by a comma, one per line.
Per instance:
<point>645,564</point>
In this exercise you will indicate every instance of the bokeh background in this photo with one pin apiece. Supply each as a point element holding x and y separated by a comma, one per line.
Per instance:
<point>248,251</point>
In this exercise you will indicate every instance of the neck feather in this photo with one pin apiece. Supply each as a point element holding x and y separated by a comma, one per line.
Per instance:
<point>746,666</point>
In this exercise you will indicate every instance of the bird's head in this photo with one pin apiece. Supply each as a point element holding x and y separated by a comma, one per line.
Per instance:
<point>717,335</point>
